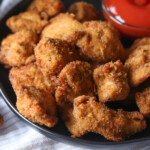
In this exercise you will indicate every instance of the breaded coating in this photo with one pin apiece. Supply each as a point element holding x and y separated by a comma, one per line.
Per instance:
<point>143,101</point>
<point>100,42</point>
<point>46,8</point>
<point>36,105</point>
<point>111,80</point>
<point>1,120</point>
<point>34,99</point>
<point>74,80</point>
<point>140,42</point>
<point>62,27</point>
<point>138,65</point>
<point>84,11</point>
<point>29,75</point>
<point>113,125</point>
<point>53,54</point>
<point>66,112</point>
<point>137,43</point>
<point>26,20</point>
<point>17,49</point>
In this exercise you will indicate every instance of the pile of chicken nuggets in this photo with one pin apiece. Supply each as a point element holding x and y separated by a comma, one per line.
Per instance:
<point>71,64</point>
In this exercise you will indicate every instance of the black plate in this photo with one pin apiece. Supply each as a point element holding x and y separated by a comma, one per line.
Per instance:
<point>59,132</point>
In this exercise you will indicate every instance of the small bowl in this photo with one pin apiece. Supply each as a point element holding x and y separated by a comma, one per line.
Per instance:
<point>126,30</point>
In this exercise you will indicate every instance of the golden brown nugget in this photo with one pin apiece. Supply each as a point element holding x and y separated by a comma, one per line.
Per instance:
<point>36,105</point>
<point>137,43</point>
<point>26,20</point>
<point>75,79</point>
<point>30,75</point>
<point>100,42</point>
<point>138,65</point>
<point>62,27</point>
<point>17,49</point>
<point>53,54</point>
<point>143,101</point>
<point>46,8</point>
<point>84,11</point>
<point>140,42</point>
<point>34,99</point>
<point>72,125</point>
<point>111,80</point>
<point>113,125</point>
<point>1,120</point>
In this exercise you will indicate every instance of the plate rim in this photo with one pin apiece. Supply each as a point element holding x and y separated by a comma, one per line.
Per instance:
<point>57,136</point>
<point>64,138</point>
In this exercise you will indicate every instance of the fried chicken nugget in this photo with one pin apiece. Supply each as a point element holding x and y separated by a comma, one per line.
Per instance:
<point>36,105</point>
<point>100,42</point>
<point>111,80</point>
<point>1,120</point>
<point>26,20</point>
<point>30,75</point>
<point>46,8</point>
<point>17,49</point>
<point>140,42</point>
<point>143,101</point>
<point>53,54</point>
<point>113,125</point>
<point>137,43</point>
<point>84,11</point>
<point>34,99</point>
<point>138,65</point>
<point>62,27</point>
<point>74,80</point>
<point>66,112</point>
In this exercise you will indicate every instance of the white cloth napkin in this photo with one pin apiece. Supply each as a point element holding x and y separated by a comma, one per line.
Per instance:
<point>16,135</point>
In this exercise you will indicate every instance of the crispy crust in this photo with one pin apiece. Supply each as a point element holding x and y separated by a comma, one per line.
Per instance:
<point>111,80</point>
<point>18,49</point>
<point>140,42</point>
<point>66,112</point>
<point>113,125</point>
<point>75,79</point>
<point>46,8</point>
<point>136,44</point>
<point>53,54</point>
<point>62,27</point>
<point>138,65</point>
<point>34,99</point>
<point>26,20</point>
<point>84,11</point>
<point>100,42</point>
<point>29,75</point>
<point>143,101</point>
<point>36,105</point>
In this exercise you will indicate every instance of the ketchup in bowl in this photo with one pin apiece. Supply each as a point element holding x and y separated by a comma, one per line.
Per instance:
<point>130,17</point>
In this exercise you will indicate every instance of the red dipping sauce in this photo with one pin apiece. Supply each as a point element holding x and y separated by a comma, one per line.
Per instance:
<point>130,17</point>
